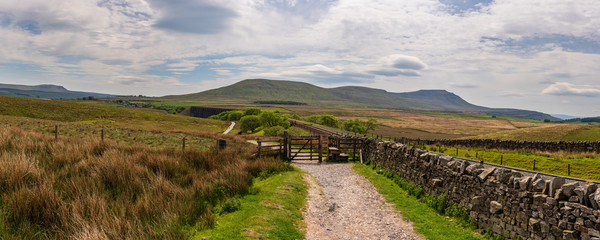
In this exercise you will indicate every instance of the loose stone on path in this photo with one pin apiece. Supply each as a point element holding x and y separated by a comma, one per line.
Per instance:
<point>344,205</point>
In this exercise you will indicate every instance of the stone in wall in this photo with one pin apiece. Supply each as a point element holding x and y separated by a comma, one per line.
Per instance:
<point>511,203</point>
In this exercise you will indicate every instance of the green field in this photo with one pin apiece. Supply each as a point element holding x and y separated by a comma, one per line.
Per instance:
<point>582,165</point>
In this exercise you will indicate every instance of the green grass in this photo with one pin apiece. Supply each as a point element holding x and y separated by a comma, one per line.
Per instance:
<point>583,165</point>
<point>69,111</point>
<point>129,135</point>
<point>425,220</point>
<point>590,133</point>
<point>272,210</point>
<point>124,125</point>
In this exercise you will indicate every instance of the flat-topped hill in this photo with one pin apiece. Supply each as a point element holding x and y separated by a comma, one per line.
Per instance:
<point>252,90</point>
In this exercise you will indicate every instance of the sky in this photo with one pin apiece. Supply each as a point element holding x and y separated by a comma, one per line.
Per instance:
<point>539,55</point>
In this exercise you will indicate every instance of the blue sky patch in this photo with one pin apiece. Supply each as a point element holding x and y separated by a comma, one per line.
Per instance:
<point>463,6</point>
<point>548,42</point>
<point>30,26</point>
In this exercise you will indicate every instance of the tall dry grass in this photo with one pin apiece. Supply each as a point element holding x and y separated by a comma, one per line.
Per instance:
<point>88,189</point>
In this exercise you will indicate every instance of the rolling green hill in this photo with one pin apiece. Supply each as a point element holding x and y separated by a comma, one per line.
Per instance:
<point>45,91</point>
<point>252,90</point>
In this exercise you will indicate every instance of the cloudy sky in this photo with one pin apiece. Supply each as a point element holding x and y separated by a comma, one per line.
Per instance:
<point>531,54</point>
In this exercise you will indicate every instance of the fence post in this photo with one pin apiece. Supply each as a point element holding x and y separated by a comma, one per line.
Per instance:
<point>183,145</point>
<point>569,169</point>
<point>102,134</point>
<point>259,147</point>
<point>221,144</point>
<point>501,158</point>
<point>533,164</point>
<point>457,152</point>
<point>56,132</point>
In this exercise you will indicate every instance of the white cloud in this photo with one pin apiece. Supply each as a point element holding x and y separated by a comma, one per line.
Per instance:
<point>396,45</point>
<point>568,89</point>
<point>405,62</point>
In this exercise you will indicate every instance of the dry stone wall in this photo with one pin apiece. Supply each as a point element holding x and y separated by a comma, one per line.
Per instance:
<point>584,146</point>
<point>512,203</point>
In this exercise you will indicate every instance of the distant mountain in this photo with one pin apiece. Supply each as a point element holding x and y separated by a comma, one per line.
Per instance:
<point>252,90</point>
<point>564,117</point>
<point>582,120</point>
<point>46,91</point>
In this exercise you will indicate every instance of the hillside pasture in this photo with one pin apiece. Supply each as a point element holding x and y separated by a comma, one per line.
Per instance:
<point>546,132</point>
<point>74,188</point>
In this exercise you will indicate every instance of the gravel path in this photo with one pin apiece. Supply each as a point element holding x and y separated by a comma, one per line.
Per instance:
<point>230,128</point>
<point>344,205</point>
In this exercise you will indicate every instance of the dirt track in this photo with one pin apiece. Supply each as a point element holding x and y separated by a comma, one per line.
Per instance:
<point>344,205</point>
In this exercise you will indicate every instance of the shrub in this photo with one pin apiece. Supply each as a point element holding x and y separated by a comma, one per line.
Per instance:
<point>222,116</point>
<point>354,126</point>
<point>274,131</point>
<point>359,126</point>
<point>235,115</point>
<point>252,111</point>
<point>269,119</point>
<point>249,123</point>
<point>313,118</point>
<point>329,120</point>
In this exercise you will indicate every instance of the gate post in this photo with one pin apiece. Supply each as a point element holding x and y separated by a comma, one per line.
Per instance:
<point>311,147</point>
<point>354,149</point>
<point>320,149</point>
<point>285,144</point>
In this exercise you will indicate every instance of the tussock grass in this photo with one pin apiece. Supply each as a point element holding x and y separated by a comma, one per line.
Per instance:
<point>88,189</point>
<point>199,137</point>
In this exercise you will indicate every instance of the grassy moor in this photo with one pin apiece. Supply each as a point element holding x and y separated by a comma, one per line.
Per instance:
<point>91,189</point>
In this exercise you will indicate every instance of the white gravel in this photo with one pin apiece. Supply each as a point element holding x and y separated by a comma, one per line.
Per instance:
<point>344,205</point>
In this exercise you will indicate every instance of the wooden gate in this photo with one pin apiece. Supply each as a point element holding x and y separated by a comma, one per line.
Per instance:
<point>304,148</point>
<point>343,148</point>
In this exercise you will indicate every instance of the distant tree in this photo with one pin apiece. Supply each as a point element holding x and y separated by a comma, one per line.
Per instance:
<point>249,123</point>
<point>547,120</point>
<point>235,115</point>
<point>358,126</point>
<point>370,125</point>
<point>313,118</point>
<point>329,120</point>
<point>252,111</point>
<point>270,119</point>
<point>354,126</point>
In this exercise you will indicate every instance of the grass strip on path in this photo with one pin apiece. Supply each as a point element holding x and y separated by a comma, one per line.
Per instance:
<point>272,210</point>
<point>424,219</point>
